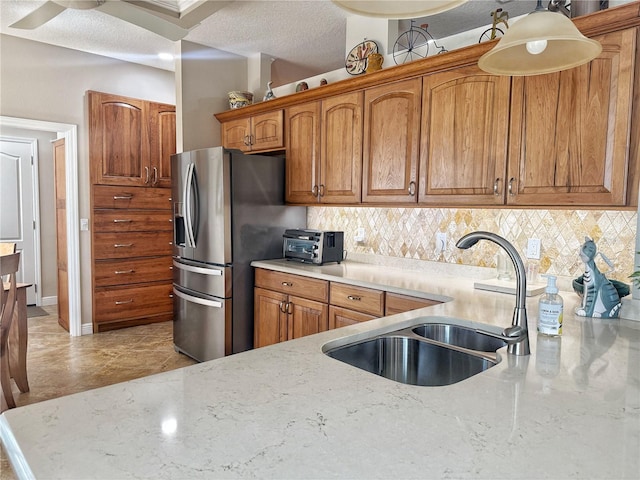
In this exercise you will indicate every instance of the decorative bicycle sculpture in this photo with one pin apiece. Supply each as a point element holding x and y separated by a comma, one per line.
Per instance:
<point>414,44</point>
<point>494,32</point>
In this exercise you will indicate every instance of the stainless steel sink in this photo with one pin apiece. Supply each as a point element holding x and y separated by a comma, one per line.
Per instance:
<point>411,360</point>
<point>459,336</point>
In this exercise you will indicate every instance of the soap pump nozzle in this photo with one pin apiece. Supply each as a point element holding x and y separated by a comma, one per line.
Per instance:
<point>552,287</point>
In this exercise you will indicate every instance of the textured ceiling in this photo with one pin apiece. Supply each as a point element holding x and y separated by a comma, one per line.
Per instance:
<point>310,34</point>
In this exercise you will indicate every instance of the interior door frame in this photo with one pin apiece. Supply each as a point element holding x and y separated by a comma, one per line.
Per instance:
<point>35,198</point>
<point>70,133</point>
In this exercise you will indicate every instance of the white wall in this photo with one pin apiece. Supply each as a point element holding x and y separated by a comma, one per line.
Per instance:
<point>44,82</point>
<point>203,77</point>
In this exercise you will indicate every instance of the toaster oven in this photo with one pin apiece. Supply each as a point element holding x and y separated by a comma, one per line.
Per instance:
<point>313,246</point>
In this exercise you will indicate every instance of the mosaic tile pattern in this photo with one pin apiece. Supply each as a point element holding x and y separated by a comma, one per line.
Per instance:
<point>410,233</point>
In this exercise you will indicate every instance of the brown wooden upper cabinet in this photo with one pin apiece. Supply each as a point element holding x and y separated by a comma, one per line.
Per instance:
<point>324,150</point>
<point>258,133</point>
<point>391,142</point>
<point>465,115</point>
<point>162,140</point>
<point>570,130</point>
<point>131,141</point>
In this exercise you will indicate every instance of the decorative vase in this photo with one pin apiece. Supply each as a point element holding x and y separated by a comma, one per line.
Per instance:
<point>239,99</point>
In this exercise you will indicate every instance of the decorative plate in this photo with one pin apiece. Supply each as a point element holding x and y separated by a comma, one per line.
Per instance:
<point>356,62</point>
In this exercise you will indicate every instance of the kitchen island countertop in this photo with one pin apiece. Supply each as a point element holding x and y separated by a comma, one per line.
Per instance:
<point>569,410</point>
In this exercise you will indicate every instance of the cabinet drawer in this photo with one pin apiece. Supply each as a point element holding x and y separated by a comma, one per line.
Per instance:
<point>122,272</point>
<point>131,221</point>
<point>397,303</point>
<point>112,304</point>
<point>135,244</point>
<point>131,197</point>
<point>359,299</point>
<point>311,288</point>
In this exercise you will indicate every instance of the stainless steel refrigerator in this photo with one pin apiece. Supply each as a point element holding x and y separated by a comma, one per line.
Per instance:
<point>228,209</point>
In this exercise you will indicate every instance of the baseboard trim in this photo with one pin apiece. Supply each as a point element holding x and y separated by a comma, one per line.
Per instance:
<point>87,329</point>
<point>48,301</point>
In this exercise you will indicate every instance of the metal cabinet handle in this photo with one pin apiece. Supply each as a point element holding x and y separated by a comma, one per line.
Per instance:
<point>314,191</point>
<point>354,298</point>
<point>155,176</point>
<point>412,188</point>
<point>246,140</point>
<point>322,190</point>
<point>120,245</point>
<point>122,220</point>
<point>287,284</point>
<point>124,302</point>
<point>511,180</point>
<point>146,180</point>
<point>122,272</point>
<point>496,186</point>
<point>122,197</point>
<point>289,305</point>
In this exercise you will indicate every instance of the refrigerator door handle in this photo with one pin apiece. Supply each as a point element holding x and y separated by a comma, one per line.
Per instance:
<point>189,187</point>
<point>198,300</point>
<point>191,268</point>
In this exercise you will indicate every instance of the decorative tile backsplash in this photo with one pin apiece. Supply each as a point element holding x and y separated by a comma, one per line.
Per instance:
<point>410,233</point>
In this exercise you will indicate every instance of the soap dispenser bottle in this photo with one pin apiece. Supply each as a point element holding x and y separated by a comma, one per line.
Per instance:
<point>550,309</point>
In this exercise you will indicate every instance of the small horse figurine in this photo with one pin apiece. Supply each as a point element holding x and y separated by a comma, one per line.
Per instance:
<point>600,297</point>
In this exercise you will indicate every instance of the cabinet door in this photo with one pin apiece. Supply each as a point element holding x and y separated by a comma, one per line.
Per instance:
<point>342,317</point>
<point>235,134</point>
<point>391,142</point>
<point>306,317</point>
<point>303,153</point>
<point>270,321</point>
<point>341,153</point>
<point>266,131</point>
<point>162,121</point>
<point>118,140</point>
<point>570,130</point>
<point>464,137</point>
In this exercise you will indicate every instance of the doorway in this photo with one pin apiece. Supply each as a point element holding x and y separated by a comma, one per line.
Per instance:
<point>70,133</point>
<point>20,220</point>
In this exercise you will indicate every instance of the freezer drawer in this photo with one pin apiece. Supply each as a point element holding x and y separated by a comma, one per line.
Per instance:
<point>201,277</point>
<point>201,325</point>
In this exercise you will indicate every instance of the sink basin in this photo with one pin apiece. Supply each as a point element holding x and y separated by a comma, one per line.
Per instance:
<point>412,361</point>
<point>459,336</point>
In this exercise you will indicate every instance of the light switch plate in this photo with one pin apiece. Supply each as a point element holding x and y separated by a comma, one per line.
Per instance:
<point>84,224</point>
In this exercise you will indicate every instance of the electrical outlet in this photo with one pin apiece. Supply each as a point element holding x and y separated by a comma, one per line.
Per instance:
<point>359,237</point>
<point>533,248</point>
<point>441,242</point>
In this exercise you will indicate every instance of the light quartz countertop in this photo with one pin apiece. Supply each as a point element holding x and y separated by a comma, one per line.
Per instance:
<point>569,410</point>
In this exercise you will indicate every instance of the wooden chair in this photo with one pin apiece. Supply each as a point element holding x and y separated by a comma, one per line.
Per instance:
<point>7,248</point>
<point>8,266</point>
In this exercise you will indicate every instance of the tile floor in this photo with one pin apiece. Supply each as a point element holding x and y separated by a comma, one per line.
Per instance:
<point>59,365</point>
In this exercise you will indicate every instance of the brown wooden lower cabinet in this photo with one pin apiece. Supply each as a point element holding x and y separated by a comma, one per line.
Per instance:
<point>288,306</point>
<point>397,303</point>
<point>115,307</point>
<point>279,317</point>
<point>343,317</point>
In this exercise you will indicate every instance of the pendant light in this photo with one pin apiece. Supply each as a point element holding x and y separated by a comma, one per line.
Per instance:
<point>542,42</point>
<point>398,9</point>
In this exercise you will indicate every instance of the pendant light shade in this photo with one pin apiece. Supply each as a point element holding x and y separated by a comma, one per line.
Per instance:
<point>542,42</point>
<point>398,9</point>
